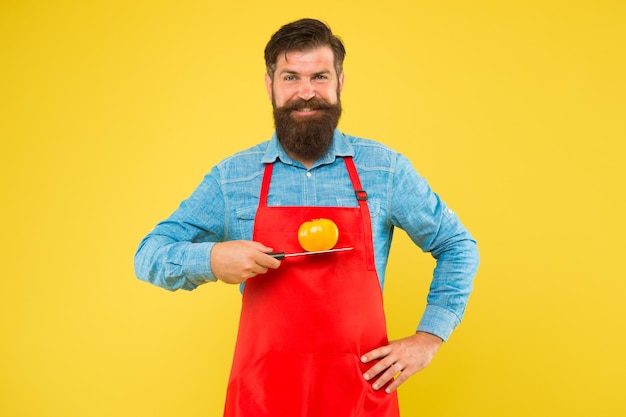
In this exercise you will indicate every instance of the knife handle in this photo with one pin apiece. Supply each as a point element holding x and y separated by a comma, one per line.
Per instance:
<point>278,255</point>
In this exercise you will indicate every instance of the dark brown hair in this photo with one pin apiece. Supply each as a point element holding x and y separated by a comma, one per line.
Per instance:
<point>303,35</point>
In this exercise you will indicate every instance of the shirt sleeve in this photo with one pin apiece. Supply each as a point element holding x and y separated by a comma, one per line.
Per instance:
<point>436,229</point>
<point>176,253</point>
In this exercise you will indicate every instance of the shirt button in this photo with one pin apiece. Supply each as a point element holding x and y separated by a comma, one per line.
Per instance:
<point>308,174</point>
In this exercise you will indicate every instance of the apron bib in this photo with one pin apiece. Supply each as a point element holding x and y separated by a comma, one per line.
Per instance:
<point>304,326</point>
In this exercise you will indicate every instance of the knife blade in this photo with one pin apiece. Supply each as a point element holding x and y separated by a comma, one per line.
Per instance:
<point>282,255</point>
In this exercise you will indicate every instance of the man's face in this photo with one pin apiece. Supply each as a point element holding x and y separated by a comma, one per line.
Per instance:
<point>305,94</point>
<point>304,75</point>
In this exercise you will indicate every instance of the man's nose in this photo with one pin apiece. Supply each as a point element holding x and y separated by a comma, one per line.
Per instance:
<point>306,92</point>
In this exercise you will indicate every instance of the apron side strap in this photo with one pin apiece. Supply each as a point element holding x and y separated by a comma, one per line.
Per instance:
<point>361,196</point>
<point>265,185</point>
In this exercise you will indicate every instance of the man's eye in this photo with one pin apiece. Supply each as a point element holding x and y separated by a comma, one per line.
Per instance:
<point>289,77</point>
<point>321,77</point>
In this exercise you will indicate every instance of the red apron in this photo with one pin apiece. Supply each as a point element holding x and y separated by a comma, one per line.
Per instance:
<point>304,326</point>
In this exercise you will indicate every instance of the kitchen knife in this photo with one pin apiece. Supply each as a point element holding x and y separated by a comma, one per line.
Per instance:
<point>282,255</point>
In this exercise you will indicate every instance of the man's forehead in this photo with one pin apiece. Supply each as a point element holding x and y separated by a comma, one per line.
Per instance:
<point>321,56</point>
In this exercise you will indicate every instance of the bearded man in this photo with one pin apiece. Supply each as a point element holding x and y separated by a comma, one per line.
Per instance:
<point>312,337</point>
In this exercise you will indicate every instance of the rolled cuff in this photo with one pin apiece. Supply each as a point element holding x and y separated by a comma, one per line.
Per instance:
<point>197,270</point>
<point>438,321</point>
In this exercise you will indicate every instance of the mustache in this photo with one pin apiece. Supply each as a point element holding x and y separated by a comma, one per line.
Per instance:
<point>315,103</point>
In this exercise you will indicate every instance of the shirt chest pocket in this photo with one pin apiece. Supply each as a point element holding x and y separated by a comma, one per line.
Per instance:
<point>244,223</point>
<point>372,203</point>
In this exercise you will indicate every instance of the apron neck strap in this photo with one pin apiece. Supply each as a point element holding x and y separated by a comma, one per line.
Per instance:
<point>265,185</point>
<point>361,196</point>
<point>360,193</point>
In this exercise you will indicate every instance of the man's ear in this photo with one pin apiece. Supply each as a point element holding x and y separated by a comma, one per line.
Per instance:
<point>341,82</point>
<point>268,85</point>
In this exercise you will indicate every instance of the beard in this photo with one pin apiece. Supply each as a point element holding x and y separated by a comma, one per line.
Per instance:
<point>307,137</point>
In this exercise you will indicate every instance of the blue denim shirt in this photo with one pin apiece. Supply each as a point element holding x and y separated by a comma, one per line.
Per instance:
<point>176,253</point>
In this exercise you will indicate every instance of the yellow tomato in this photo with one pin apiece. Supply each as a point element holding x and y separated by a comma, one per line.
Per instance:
<point>318,234</point>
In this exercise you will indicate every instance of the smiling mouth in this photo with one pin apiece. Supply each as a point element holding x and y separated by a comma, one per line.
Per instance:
<point>305,110</point>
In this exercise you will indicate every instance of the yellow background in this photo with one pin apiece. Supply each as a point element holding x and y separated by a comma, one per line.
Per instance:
<point>112,111</point>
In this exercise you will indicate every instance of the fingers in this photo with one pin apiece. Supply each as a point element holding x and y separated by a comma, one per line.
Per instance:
<point>386,369</point>
<point>234,262</point>
<point>266,261</point>
<point>399,360</point>
<point>262,261</point>
<point>398,378</point>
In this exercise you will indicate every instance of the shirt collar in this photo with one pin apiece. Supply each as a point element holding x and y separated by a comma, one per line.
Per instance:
<point>340,146</point>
